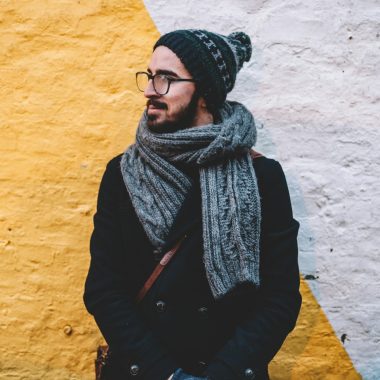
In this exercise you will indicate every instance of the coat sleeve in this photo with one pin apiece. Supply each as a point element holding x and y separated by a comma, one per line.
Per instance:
<point>259,336</point>
<point>106,296</point>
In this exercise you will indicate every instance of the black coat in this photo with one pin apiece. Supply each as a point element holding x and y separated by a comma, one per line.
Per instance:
<point>179,324</point>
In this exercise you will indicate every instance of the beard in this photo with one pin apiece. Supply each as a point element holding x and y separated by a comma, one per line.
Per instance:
<point>183,119</point>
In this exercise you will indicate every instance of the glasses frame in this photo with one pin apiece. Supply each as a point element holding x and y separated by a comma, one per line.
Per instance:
<point>168,78</point>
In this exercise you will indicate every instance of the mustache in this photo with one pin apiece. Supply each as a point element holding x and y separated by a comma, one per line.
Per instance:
<point>155,103</point>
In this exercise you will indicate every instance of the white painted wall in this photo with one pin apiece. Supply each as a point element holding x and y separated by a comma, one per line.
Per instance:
<point>313,86</point>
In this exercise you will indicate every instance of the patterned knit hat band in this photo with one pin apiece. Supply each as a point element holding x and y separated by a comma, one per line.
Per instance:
<point>212,59</point>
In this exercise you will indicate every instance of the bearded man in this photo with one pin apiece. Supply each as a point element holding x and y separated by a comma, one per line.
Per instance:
<point>227,293</point>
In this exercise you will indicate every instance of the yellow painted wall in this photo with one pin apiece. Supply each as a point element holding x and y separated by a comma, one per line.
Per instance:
<point>67,105</point>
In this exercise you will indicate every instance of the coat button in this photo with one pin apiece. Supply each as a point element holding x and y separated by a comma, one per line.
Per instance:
<point>202,365</point>
<point>249,374</point>
<point>134,369</point>
<point>203,312</point>
<point>157,254</point>
<point>161,306</point>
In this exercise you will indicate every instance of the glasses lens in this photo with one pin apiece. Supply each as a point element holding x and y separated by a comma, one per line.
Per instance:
<point>161,84</point>
<point>142,81</point>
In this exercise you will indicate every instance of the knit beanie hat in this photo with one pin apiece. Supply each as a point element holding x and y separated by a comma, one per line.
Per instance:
<point>212,59</point>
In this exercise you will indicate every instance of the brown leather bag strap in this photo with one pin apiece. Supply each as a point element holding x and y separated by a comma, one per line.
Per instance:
<point>157,271</point>
<point>254,154</point>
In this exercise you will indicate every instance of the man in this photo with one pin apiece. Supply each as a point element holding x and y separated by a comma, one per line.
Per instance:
<point>223,305</point>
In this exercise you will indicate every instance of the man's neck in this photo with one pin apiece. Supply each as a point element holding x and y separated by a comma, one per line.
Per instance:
<point>203,118</point>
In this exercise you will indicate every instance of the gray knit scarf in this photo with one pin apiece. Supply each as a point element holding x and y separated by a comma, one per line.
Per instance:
<point>231,212</point>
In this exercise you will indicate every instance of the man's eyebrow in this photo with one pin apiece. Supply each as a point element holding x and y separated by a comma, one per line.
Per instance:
<point>164,72</point>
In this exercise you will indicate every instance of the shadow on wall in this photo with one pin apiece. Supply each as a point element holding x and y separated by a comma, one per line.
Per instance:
<point>312,351</point>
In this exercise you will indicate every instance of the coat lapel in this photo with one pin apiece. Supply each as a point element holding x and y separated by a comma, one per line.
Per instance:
<point>187,219</point>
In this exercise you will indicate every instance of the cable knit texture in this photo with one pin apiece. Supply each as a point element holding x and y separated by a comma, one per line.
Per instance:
<point>231,214</point>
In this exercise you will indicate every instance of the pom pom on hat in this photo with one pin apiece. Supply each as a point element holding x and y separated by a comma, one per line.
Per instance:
<point>243,50</point>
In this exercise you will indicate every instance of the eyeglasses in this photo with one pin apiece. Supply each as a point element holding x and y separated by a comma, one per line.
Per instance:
<point>161,82</point>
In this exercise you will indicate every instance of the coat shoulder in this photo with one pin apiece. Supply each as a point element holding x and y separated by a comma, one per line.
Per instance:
<point>114,163</point>
<point>112,173</point>
<point>268,170</point>
<point>274,194</point>
<point>112,183</point>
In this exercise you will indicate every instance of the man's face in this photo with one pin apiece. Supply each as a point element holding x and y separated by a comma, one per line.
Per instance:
<point>176,109</point>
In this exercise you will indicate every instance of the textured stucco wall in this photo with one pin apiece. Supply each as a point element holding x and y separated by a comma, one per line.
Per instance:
<point>68,104</point>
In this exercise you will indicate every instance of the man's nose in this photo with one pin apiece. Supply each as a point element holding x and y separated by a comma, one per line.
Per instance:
<point>149,90</point>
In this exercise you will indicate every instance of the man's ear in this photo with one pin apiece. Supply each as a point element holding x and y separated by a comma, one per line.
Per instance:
<point>204,116</point>
<point>202,103</point>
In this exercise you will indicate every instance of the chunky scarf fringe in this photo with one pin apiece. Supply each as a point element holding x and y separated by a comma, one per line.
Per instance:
<point>231,214</point>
